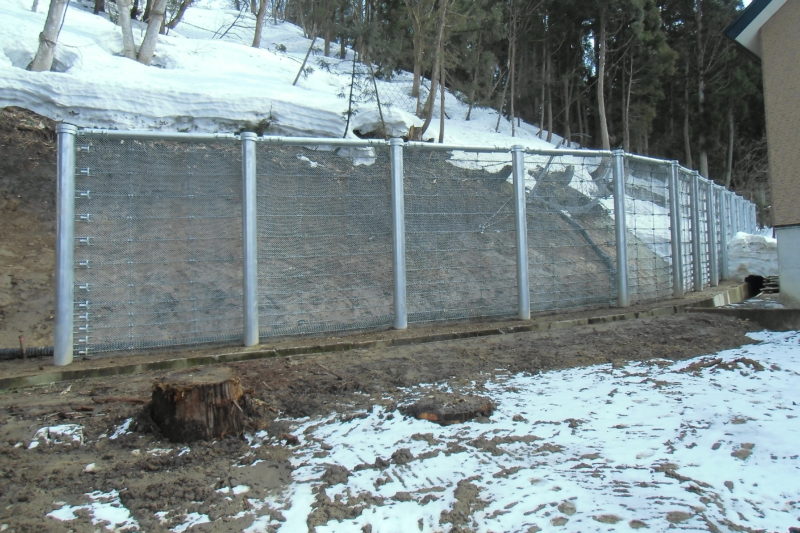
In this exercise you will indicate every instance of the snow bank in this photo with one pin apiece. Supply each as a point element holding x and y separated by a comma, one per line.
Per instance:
<point>755,255</point>
<point>206,78</point>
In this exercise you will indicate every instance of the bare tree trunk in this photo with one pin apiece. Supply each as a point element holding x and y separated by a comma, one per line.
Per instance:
<point>549,89</point>
<point>626,107</point>
<point>417,72</point>
<point>305,60</point>
<point>261,15</point>
<point>43,60</point>
<point>581,122</point>
<point>501,104</point>
<point>512,64</point>
<point>128,46</point>
<point>147,7</point>
<point>441,104</point>
<point>474,88</point>
<point>437,62</point>
<point>731,144</point>
<point>687,140</point>
<point>701,88</point>
<point>35,5</point>
<point>601,75</point>
<point>566,91</point>
<point>184,5</point>
<point>543,96</point>
<point>342,40</point>
<point>99,6</point>
<point>153,28</point>
<point>418,13</point>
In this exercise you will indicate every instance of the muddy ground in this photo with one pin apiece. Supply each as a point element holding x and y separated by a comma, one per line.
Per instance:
<point>153,475</point>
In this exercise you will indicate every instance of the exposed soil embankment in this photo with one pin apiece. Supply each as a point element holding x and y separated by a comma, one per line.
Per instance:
<point>27,227</point>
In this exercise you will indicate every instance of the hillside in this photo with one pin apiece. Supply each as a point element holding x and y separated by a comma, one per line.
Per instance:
<point>198,82</point>
<point>203,81</point>
<point>27,226</point>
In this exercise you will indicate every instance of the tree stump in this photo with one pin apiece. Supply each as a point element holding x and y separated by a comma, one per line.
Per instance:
<point>198,404</point>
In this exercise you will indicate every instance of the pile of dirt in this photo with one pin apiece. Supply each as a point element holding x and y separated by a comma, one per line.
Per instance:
<point>27,226</point>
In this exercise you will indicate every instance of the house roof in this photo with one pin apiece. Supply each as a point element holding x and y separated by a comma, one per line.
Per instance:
<point>744,29</point>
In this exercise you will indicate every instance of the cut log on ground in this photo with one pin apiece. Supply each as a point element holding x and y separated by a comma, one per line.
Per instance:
<point>198,404</point>
<point>444,408</point>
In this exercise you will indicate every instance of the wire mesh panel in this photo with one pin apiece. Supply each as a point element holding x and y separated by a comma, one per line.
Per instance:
<point>571,254</point>
<point>324,239</point>
<point>705,250</point>
<point>460,236</point>
<point>685,208</point>
<point>158,243</point>
<point>720,238</point>
<point>648,229</point>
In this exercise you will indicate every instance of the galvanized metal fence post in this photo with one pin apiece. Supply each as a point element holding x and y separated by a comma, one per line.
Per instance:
<point>723,230</point>
<point>675,230</point>
<point>697,261</point>
<point>742,214</point>
<point>249,239</point>
<point>523,294</point>
<point>618,169</point>
<point>65,245</point>
<point>398,234</point>
<point>711,223</point>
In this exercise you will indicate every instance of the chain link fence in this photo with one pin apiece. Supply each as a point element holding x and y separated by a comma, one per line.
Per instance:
<point>571,239</point>
<point>157,243</point>
<point>354,235</point>
<point>460,237</point>
<point>324,239</point>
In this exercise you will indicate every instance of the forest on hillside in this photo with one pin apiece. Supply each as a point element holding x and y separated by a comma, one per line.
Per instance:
<point>656,77</point>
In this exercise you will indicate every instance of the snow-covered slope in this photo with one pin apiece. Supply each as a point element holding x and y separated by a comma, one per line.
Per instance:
<point>206,78</point>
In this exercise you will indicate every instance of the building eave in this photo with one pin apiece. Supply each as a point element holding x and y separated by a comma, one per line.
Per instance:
<point>745,29</point>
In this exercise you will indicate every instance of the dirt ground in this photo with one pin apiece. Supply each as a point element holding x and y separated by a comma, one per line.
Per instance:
<point>27,228</point>
<point>153,475</point>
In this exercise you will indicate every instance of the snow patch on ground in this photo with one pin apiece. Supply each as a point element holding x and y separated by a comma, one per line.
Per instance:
<point>105,509</point>
<point>655,443</point>
<point>61,434</point>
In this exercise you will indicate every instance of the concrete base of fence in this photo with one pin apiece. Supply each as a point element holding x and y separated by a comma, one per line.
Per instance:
<point>27,373</point>
<point>773,319</point>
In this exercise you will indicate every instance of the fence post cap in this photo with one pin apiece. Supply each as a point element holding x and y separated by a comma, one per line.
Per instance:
<point>248,135</point>
<point>395,141</point>
<point>63,127</point>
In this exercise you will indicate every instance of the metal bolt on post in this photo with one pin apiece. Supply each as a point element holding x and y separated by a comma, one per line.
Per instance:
<point>713,256</point>
<point>398,234</point>
<point>523,294</point>
<point>249,240</point>
<point>675,230</point>
<point>65,242</point>
<point>618,168</point>
<point>697,261</point>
